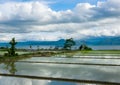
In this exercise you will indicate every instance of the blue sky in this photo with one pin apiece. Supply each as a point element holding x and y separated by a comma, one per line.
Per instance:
<point>59,4</point>
<point>55,19</point>
<point>70,4</point>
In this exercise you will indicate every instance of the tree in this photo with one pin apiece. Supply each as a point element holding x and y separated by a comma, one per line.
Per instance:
<point>12,48</point>
<point>84,47</point>
<point>69,43</point>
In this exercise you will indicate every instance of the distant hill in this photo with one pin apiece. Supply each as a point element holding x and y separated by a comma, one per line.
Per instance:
<point>55,43</point>
<point>100,41</point>
<point>89,41</point>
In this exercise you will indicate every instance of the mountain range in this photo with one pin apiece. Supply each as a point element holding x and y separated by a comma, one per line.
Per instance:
<point>89,41</point>
<point>100,40</point>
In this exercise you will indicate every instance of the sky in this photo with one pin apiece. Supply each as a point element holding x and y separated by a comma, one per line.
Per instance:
<point>48,20</point>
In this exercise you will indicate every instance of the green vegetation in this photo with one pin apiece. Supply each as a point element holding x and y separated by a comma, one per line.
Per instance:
<point>83,50</point>
<point>11,50</point>
<point>12,59</point>
<point>84,47</point>
<point>91,53</point>
<point>2,52</point>
<point>69,43</point>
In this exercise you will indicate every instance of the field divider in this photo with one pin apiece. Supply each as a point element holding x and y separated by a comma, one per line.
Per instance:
<point>71,63</point>
<point>62,79</point>
<point>85,57</point>
<point>92,57</point>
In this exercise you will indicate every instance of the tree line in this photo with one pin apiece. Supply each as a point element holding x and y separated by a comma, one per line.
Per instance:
<point>68,44</point>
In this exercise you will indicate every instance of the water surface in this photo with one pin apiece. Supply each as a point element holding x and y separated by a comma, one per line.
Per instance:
<point>39,67</point>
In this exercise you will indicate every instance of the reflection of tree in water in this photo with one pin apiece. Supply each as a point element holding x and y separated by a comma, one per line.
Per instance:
<point>10,66</point>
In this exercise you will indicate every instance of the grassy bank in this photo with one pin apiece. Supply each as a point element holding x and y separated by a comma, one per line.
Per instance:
<point>91,53</point>
<point>27,54</point>
<point>100,52</point>
<point>49,53</point>
<point>2,52</point>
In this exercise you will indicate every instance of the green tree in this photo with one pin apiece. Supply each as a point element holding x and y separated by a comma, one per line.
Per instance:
<point>69,43</point>
<point>12,48</point>
<point>84,47</point>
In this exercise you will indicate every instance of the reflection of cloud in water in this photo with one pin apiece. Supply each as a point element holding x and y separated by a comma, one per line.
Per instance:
<point>24,81</point>
<point>78,60</point>
<point>62,83</point>
<point>21,81</point>
<point>2,68</point>
<point>101,73</point>
<point>14,81</point>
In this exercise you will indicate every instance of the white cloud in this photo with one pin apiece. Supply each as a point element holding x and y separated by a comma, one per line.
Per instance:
<point>24,11</point>
<point>37,21</point>
<point>32,36</point>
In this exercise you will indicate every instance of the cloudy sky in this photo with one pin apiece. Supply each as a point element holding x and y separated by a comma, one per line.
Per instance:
<point>55,19</point>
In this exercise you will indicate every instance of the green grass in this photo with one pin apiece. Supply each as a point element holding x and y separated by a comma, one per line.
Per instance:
<point>69,53</point>
<point>104,52</point>
<point>92,53</point>
<point>19,52</point>
<point>2,52</point>
<point>98,52</point>
<point>32,53</point>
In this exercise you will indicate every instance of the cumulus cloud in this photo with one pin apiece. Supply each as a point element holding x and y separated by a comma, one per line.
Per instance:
<point>37,13</point>
<point>35,20</point>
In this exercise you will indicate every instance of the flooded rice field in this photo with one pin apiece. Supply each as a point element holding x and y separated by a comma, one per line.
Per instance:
<point>80,70</point>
